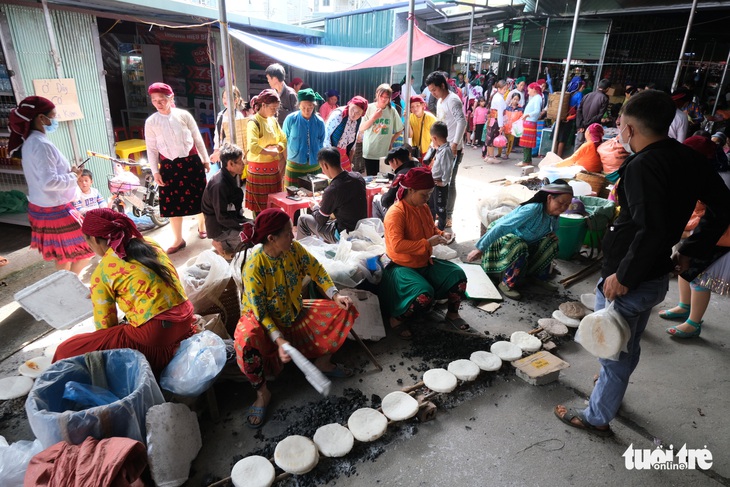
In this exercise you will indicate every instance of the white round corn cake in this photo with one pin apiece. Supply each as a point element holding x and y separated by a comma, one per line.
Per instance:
<point>509,352</point>
<point>367,424</point>
<point>334,440</point>
<point>399,406</point>
<point>296,454</point>
<point>253,471</point>
<point>486,361</point>
<point>526,342</point>
<point>439,380</point>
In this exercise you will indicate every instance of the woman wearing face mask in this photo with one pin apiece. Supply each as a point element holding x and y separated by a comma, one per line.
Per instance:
<point>304,131</point>
<point>52,183</point>
<point>523,243</point>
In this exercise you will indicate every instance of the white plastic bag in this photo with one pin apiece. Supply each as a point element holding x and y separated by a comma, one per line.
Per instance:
<point>195,365</point>
<point>14,460</point>
<point>443,252</point>
<point>204,279</point>
<point>501,202</point>
<point>604,334</point>
<point>517,128</point>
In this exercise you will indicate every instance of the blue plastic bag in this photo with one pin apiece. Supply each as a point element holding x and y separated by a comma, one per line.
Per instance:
<point>87,395</point>
<point>195,365</point>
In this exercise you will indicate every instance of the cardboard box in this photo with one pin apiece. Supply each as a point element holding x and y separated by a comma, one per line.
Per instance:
<point>539,368</point>
<point>554,101</point>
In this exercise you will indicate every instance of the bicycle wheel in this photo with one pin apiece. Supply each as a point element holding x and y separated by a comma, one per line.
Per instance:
<point>153,211</point>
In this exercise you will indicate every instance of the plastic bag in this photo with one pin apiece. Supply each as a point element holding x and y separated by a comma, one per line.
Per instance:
<point>444,253</point>
<point>517,128</point>
<point>14,460</point>
<point>605,333</point>
<point>87,395</point>
<point>501,202</point>
<point>500,141</point>
<point>195,365</point>
<point>129,377</point>
<point>204,279</point>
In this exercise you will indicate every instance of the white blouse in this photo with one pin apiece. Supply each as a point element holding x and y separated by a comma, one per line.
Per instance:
<point>172,136</point>
<point>47,171</point>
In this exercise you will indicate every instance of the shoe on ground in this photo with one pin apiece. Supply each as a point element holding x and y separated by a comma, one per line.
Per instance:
<point>546,285</point>
<point>509,292</point>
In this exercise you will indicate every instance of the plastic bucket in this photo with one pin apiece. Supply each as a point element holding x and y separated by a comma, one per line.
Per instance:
<point>571,233</point>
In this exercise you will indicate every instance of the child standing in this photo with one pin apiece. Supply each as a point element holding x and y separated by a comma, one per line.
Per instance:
<point>480,119</point>
<point>495,126</point>
<point>513,113</point>
<point>442,163</point>
<point>87,198</point>
<point>469,125</point>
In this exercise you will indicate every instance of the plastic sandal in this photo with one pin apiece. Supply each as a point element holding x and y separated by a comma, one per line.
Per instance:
<point>676,332</point>
<point>339,372</point>
<point>258,413</point>
<point>670,315</point>
<point>572,413</point>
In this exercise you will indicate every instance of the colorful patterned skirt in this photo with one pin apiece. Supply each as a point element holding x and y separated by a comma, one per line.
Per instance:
<point>344,160</point>
<point>540,127</point>
<point>295,171</point>
<point>529,134</point>
<point>185,182</point>
<point>511,258</point>
<point>56,233</point>
<point>263,179</point>
<point>158,340</point>
<point>321,328</point>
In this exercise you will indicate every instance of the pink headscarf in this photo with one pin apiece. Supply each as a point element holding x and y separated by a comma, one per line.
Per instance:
<point>595,132</point>
<point>116,227</point>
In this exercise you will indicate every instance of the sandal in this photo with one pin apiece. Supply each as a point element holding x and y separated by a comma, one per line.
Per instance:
<point>457,323</point>
<point>676,332</point>
<point>572,413</point>
<point>509,292</point>
<point>403,331</point>
<point>258,413</point>
<point>339,372</point>
<point>202,235</point>
<point>668,314</point>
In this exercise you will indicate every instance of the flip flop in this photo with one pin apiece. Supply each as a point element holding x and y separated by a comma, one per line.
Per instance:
<point>3,261</point>
<point>258,413</point>
<point>457,323</point>
<point>339,372</point>
<point>585,425</point>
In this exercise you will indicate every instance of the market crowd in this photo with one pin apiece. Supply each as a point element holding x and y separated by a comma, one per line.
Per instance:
<point>285,134</point>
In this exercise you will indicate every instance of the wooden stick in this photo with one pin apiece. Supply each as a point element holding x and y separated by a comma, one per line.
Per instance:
<point>367,350</point>
<point>581,274</point>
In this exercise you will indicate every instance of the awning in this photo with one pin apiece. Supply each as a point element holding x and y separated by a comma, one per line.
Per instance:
<point>331,59</point>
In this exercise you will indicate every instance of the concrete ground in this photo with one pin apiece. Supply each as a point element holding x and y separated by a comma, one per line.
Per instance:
<point>499,430</point>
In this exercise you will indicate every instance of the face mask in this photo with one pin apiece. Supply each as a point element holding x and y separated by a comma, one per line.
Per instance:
<point>626,145</point>
<point>54,125</point>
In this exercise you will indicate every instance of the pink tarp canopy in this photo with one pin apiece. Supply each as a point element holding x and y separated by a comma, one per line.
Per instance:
<point>396,52</point>
<point>331,59</point>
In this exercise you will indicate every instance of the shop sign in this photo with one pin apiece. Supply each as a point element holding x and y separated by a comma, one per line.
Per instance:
<point>62,92</point>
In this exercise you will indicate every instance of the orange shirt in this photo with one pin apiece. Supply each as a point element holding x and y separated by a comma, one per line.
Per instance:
<point>585,156</point>
<point>407,230</point>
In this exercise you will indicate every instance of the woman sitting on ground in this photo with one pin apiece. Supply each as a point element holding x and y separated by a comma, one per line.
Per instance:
<point>587,154</point>
<point>137,275</point>
<point>523,244</point>
<point>414,280</point>
<point>274,312</point>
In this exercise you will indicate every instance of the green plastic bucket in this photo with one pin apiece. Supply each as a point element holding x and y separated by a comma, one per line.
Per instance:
<point>571,233</point>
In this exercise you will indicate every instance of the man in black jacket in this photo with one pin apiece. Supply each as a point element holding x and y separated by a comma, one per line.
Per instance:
<point>223,200</point>
<point>659,186</point>
<point>591,110</point>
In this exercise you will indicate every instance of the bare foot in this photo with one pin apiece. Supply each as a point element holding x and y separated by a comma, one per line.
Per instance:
<point>401,328</point>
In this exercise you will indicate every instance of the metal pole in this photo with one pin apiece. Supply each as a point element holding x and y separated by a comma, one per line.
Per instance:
<point>59,72</point>
<point>563,94</point>
<point>471,34</point>
<point>684,45</point>
<point>722,81</point>
<point>603,50</point>
<point>409,72</point>
<point>226,47</point>
<point>542,47</point>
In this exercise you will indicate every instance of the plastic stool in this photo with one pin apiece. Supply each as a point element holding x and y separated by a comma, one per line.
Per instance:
<point>136,132</point>
<point>120,134</point>
<point>126,148</point>
<point>290,206</point>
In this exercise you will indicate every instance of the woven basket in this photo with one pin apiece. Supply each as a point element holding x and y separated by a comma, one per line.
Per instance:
<point>231,307</point>
<point>597,181</point>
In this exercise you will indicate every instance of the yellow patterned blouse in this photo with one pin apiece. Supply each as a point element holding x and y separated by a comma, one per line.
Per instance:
<point>273,286</point>
<point>140,293</point>
<point>260,133</point>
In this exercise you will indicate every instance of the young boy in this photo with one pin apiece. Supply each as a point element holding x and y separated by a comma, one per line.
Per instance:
<point>88,198</point>
<point>442,163</point>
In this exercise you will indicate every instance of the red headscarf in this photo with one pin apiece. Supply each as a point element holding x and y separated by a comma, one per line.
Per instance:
<point>358,101</point>
<point>541,82</point>
<point>267,96</point>
<point>703,145</point>
<point>535,87</point>
<point>595,132</point>
<point>116,227</point>
<point>269,221</point>
<point>160,88</point>
<point>21,119</point>
<point>417,99</point>
<point>416,178</point>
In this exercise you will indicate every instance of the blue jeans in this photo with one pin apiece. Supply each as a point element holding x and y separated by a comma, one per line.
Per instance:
<point>613,380</point>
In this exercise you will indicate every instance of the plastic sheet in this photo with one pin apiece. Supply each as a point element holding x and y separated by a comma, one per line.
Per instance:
<point>347,266</point>
<point>129,377</point>
<point>87,395</point>
<point>204,278</point>
<point>14,460</point>
<point>195,365</point>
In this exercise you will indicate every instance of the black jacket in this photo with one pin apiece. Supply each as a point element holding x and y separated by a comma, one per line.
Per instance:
<point>222,202</point>
<point>591,109</point>
<point>657,193</point>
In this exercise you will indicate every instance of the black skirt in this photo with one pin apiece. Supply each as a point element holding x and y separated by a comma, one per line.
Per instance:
<point>184,180</point>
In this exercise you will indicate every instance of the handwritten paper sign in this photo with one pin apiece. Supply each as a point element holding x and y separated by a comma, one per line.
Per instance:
<point>62,92</point>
